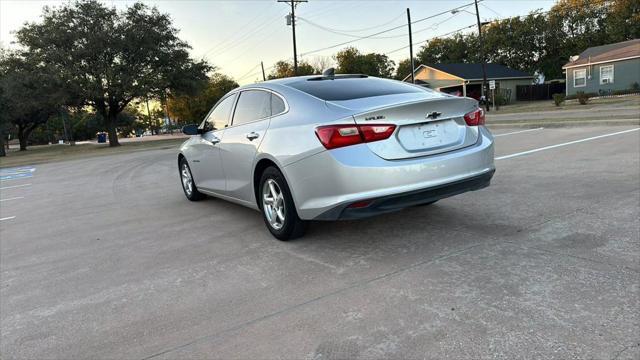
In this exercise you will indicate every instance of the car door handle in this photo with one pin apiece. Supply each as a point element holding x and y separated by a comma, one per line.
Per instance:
<point>213,140</point>
<point>252,136</point>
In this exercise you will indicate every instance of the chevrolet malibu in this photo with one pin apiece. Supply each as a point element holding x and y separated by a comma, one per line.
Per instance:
<point>335,147</point>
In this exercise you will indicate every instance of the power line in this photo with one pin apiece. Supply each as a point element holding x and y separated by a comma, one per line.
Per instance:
<point>231,39</point>
<point>342,31</point>
<point>345,34</point>
<point>331,8</point>
<point>384,31</point>
<point>433,37</point>
<point>460,29</point>
<point>490,9</point>
<point>265,35</point>
<point>245,36</point>
<point>247,73</point>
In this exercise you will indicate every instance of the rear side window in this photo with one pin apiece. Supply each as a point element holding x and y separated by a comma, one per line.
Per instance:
<point>252,105</point>
<point>219,117</point>
<point>352,88</point>
<point>277,105</point>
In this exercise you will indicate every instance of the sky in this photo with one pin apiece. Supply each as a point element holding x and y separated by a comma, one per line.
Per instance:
<point>235,35</point>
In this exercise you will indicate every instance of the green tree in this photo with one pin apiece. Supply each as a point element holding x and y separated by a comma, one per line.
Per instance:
<point>284,69</point>
<point>5,124</point>
<point>188,109</point>
<point>456,49</point>
<point>623,20</point>
<point>152,121</point>
<point>351,61</point>
<point>516,42</point>
<point>109,58</point>
<point>30,94</point>
<point>541,42</point>
<point>404,68</point>
<point>572,26</point>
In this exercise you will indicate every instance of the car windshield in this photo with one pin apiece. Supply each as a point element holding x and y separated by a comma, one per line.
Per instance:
<point>340,89</point>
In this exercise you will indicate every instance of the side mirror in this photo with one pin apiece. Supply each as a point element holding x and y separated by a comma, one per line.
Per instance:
<point>191,129</point>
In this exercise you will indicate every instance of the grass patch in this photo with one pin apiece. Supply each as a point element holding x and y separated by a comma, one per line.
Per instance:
<point>548,105</point>
<point>52,153</point>
<point>568,122</point>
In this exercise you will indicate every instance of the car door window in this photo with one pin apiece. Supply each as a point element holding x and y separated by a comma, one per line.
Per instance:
<point>219,117</point>
<point>277,105</point>
<point>252,105</point>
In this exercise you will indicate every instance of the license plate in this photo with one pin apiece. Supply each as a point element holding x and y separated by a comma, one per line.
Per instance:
<point>428,135</point>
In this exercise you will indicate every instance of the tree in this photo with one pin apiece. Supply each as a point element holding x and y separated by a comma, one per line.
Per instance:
<point>456,49</point>
<point>623,20</point>
<point>4,122</point>
<point>30,94</point>
<point>321,63</point>
<point>130,121</point>
<point>404,68</point>
<point>351,61</point>
<point>188,109</point>
<point>109,58</point>
<point>517,42</point>
<point>284,69</point>
<point>152,121</point>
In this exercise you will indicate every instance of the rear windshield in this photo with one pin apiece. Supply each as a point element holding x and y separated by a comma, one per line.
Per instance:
<point>339,89</point>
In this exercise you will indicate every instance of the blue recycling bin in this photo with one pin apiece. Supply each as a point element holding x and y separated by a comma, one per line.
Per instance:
<point>102,138</point>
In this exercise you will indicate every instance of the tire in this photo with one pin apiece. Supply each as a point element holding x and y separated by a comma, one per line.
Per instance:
<point>277,206</point>
<point>188,185</point>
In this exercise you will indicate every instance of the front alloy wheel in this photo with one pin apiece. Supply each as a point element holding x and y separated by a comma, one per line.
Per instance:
<point>189,187</point>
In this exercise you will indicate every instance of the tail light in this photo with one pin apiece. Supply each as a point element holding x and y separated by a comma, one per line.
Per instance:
<point>475,118</point>
<point>335,136</point>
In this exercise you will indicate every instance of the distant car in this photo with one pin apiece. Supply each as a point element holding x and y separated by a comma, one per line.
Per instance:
<point>335,147</point>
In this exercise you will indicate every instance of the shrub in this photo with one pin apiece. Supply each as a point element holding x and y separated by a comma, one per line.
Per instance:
<point>635,86</point>
<point>558,99</point>
<point>500,100</point>
<point>583,98</point>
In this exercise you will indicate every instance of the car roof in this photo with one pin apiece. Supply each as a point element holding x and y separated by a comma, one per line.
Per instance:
<point>292,79</point>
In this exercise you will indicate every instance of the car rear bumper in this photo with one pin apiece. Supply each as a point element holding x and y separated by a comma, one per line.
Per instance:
<point>400,201</point>
<point>325,184</point>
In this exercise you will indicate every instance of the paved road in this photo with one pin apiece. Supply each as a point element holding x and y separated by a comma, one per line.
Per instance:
<point>106,259</point>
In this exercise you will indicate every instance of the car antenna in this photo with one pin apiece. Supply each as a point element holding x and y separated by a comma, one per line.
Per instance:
<point>329,72</point>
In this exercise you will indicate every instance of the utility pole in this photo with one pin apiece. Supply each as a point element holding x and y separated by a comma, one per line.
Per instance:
<point>482,58</point>
<point>413,67</point>
<point>292,15</point>
<point>264,78</point>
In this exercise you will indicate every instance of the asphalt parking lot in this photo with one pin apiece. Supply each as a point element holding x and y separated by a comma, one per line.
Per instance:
<point>105,258</point>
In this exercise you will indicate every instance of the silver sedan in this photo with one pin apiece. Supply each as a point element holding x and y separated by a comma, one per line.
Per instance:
<point>335,147</point>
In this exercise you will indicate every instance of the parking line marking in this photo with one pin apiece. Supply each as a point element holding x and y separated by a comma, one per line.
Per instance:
<point>16,176</point>
<point>13,198</point>
<point>16,173</point>
<point>565,144</point>
<point>518,132</point>
<point>7,218</point>
<point>14,186</point>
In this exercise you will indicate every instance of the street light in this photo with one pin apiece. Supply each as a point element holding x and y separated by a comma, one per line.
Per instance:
<point>455,11</point>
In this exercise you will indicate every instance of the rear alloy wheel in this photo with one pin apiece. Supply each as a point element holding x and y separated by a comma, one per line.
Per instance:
<point>188,185</point>
<point>278,209</point>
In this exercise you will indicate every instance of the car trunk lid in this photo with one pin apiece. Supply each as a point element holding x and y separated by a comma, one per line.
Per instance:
<point>427,124</point>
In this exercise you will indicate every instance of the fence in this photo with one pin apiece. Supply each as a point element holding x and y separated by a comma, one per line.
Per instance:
<point>539,92</point>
